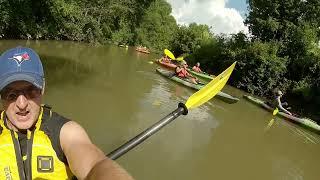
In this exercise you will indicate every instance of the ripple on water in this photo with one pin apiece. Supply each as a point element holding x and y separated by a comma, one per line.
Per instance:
<point>286,169</point>
<point>180,138</point>
<point>299,132</point>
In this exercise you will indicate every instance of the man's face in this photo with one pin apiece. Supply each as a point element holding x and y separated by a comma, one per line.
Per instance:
<point>21,101</point>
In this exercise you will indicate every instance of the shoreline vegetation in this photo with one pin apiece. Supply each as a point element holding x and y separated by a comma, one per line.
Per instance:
<point>281,52</point>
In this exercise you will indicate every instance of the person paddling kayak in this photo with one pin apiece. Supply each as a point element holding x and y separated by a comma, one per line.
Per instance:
<point>196,68</point>
<point>35,141</point>
<point>279,104</point>
<point>166,59</point>
<point>181,71</point>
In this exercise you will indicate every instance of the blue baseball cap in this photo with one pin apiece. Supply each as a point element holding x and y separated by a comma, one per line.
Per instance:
<point>21,64</point>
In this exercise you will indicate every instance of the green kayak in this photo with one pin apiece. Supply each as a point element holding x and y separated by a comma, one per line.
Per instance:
<point>302,121</point>
<point>204,76</point>
<point>221,95</point>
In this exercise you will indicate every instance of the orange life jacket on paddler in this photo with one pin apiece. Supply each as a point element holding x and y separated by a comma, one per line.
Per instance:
<point>183,73</point>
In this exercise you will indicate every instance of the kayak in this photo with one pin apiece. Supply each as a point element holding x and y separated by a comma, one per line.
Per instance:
<point>166,65</point>
<point>308,123</point>
<point>205,76</point>
<point>171,75</point>
<point>122,45</point>
<point>143,50</point>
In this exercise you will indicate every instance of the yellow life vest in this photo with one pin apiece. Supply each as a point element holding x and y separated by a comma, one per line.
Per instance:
<point>41,160</point>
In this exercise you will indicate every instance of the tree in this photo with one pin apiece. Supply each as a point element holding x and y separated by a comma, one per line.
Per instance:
<point>190,38</point>
<point>273,20</point>
<point>157,26</point>
<point>294,25</point>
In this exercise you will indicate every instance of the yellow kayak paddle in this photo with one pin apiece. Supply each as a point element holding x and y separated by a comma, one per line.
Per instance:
<point>195,100</point>
<point>275,111</point>
<point>170,55</point>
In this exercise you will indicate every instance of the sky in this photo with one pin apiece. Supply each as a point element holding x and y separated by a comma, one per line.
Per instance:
<point>224,16</point>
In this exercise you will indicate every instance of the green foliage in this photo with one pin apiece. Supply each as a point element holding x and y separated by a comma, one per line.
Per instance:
<point>190,38</point>
<point>259,69</point>
<point>78,20</point>
<point>303,51</point>
<point>294,26</point>
<point>273,20</point>
<point>158,27</point>
<point>4,17</point>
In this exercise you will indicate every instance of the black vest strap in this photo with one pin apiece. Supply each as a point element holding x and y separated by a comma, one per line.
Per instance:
<point>46,113</point>
<point>51,125</point>
<point>1,128</point>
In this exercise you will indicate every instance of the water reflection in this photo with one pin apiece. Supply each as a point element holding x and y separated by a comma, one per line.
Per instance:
<point>62,71</point>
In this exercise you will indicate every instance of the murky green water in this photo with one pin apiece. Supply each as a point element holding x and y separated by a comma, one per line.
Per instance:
<point>115,93</point>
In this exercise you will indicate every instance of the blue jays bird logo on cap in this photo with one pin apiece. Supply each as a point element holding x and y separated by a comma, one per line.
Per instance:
<point>20,57</point>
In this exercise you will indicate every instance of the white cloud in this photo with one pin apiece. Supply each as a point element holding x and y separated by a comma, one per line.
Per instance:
<point>211,12</point>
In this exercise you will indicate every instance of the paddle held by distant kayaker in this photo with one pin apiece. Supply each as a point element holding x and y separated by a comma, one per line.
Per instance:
<point>279,104</point>
<point>35,142</point>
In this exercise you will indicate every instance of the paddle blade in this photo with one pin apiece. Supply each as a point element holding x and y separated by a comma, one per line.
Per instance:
<point>179,58</point>
<point>211,89</point>
<point>169,54</point>
<point>270,123</point>
<point>275,111</point>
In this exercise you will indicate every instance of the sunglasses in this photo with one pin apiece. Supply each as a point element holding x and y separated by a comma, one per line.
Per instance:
<point>12,94</point>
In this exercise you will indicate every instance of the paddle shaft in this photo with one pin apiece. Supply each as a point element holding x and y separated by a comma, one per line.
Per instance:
<point>182,109</point>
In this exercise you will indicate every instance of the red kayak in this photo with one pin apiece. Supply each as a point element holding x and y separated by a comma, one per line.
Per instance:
<point>166,64</point>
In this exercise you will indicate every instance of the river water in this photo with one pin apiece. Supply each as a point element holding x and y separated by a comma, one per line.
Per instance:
<point>115,93</point>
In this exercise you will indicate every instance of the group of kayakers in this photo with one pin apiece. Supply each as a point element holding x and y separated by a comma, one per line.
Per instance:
<point>143,49</point>
<point>181,71</point>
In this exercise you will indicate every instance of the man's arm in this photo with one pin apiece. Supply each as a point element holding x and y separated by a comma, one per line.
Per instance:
<point>188,74</point>
<point>178,69</point>
<point>281,107</point>
<point>86,160</point>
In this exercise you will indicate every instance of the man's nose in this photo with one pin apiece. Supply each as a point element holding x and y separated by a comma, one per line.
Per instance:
<point>21,102</point>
